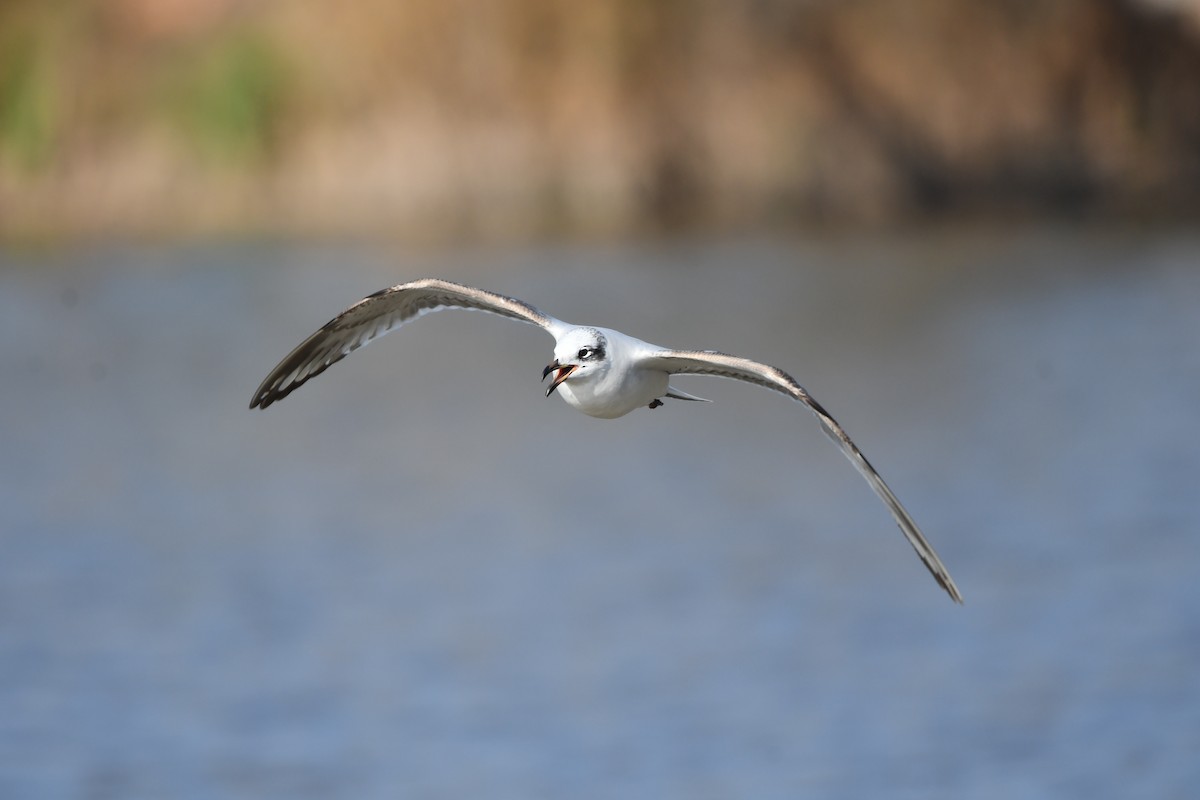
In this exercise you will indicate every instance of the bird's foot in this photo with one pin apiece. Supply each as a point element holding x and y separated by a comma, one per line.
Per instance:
<point>655,403</point>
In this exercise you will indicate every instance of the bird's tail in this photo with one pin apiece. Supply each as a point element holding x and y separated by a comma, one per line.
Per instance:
<point>675,394</point>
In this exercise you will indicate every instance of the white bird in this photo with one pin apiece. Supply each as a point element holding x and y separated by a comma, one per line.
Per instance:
<point>599,371</point>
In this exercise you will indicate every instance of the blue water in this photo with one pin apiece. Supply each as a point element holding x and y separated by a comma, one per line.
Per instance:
<point>418,578</point>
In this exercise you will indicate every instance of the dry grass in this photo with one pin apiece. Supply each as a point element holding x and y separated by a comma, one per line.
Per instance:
<point>501,118</point>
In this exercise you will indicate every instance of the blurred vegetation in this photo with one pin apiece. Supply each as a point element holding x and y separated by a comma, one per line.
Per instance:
<point>227,98</point>
<point>26,105</point>
<point>522,117</point>
<point>29,97</point>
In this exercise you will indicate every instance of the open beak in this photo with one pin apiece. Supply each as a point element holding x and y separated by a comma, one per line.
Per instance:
<point>561,373</point>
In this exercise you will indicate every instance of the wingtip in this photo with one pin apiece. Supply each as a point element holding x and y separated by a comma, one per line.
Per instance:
<point>261,400</point>
<point>947,583</point>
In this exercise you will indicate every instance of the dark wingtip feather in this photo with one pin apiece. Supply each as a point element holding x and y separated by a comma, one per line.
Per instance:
<point>261,401</point>
<point>947,583</point>
<point>951,590</point>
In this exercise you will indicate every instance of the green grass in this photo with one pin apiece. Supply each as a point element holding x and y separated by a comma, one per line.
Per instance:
<point>28,116</point>
<point>227,99</point>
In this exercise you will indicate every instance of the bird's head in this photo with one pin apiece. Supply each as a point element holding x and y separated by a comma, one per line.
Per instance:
<point>580,355</point>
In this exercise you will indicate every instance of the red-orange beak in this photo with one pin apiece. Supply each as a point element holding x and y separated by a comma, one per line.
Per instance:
<point>561,373</point>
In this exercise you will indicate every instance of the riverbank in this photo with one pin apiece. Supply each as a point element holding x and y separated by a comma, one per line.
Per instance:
<point>523,118</point>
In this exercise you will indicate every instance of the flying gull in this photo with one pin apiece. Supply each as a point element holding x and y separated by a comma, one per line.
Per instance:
<point>599,371</point>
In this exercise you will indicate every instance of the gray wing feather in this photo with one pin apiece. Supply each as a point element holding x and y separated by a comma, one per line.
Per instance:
<point>690,362</point>
<point>379,313</point>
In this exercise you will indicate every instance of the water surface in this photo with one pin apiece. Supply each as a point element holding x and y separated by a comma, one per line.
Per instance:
<point>417,577</point>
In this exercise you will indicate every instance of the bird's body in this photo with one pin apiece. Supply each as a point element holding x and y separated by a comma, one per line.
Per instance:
<point>619,384</point>
<point>601,372</point>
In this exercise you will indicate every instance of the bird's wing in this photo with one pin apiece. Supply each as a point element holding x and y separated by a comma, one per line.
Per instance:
<point>690,362</point>
<point>379,313</point>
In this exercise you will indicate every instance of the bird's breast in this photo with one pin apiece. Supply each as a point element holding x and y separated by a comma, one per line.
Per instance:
<point>614,395</point>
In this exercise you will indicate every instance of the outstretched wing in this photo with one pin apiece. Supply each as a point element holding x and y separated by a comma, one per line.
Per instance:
<point>379,313</point>
<point>690,362</point>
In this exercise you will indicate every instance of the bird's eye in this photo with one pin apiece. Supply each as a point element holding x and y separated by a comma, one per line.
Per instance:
<point>585,352</point>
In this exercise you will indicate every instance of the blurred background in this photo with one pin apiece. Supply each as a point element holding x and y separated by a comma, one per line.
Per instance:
<point>522,118</point>
<point>969,229</point>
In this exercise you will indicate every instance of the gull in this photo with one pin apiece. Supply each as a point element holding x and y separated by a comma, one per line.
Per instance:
<point>599,371</point>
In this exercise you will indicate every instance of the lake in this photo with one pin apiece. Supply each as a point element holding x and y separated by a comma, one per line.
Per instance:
<point>418,577</point>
